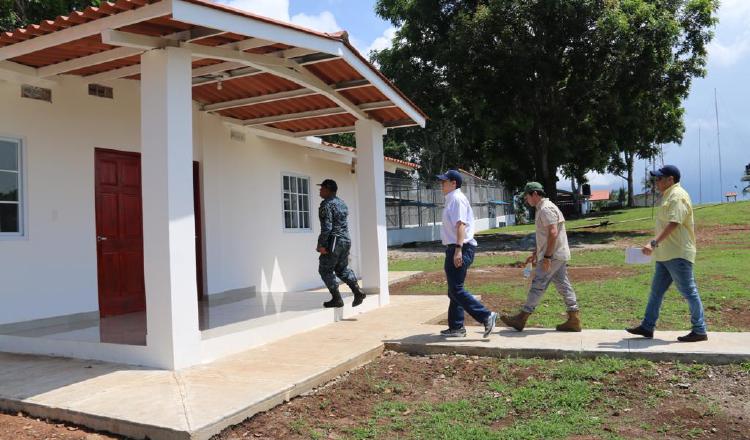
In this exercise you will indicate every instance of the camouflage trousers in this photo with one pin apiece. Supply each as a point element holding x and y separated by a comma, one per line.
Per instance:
<point>336,264</point>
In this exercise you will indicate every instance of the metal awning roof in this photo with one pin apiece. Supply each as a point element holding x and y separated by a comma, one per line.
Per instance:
<point>249,69</point>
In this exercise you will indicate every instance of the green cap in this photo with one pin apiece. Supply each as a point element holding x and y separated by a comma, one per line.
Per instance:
<point>533,186</point>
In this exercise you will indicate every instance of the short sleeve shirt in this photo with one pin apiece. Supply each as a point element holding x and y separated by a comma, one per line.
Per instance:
<point>676,207</point>
<point>547,213</point>
<point>457,208</point>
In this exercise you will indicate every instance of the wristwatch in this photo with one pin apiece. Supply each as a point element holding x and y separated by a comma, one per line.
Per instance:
<point>548,257</point>
<point>654,244</point>
<point>459,245</point>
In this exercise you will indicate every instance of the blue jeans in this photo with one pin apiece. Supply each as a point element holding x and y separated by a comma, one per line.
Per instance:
<point>460,298</point>
<point>680,271</point>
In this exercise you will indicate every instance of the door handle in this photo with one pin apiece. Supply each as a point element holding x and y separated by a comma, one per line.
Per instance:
<point>100,238</point>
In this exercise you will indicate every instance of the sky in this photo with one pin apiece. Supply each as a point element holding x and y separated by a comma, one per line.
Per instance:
<point>728,74</point>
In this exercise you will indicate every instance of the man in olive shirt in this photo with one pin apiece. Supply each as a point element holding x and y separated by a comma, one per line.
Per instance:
<point>551,257</point>
<point>674,251</point>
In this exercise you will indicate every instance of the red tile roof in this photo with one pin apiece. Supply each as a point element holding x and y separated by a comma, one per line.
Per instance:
<point>389,159</point>
<point>599,194</point>
<point>332,70</point>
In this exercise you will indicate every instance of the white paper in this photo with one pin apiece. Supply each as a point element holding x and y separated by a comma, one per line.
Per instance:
<point>634,255</point>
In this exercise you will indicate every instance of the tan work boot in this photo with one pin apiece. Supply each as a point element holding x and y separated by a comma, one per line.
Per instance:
<point>518,321</point>
<point>573,324</point>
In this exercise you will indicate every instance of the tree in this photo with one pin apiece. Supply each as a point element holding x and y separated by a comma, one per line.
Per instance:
<point>20,13</point>
<point>660,47</point>
<point>520,88</point>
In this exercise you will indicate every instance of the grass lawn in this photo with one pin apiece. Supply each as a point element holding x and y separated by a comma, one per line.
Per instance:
<point>612,302</point>
<point>637,219</point>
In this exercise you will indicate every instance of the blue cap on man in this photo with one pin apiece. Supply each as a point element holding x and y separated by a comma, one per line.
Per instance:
<point>452,175</point>
<point>667,170</point>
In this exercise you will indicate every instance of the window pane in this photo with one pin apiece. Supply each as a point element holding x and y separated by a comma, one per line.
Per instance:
<point>9,217</point>
<point>287,220</point>
<point>306,220</point>
<point>8,155</point>
<point>294,203</point>
<point>286,183</point>
<point>8,186</point>
<point>304,186</point>
<point>295,222</point>
<point>294,185</point>
<point>287,204</point>
<point>305,206</point>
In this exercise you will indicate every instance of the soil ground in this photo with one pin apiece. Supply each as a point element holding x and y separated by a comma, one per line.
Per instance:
<point>402,396</point>
<point>18,426</point>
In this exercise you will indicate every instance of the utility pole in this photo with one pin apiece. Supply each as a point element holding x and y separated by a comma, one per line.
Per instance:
<point>700,178</point>
<point>718,144</point>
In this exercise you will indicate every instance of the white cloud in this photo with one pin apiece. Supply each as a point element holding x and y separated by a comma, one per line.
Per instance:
<point>596,180</point>
<point>277,9</point>
<point>727,54</point>
<point>732,40</point>
<point>323,22</point>
<point>382,42</point>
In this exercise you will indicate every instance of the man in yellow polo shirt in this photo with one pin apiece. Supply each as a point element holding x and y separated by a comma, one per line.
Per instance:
<point>674,252</point>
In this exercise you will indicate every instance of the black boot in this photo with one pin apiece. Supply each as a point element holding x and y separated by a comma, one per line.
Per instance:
<point>359,295</point>
<point>335,301</point>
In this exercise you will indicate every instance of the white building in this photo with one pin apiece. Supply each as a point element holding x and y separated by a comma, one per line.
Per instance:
<point>157,179</point>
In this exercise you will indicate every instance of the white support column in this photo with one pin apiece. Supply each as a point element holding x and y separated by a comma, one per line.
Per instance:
<point>372,225</point>
<point>168,219</point>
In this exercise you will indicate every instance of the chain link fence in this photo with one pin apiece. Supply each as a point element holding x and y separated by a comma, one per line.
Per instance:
<point>411,203</point>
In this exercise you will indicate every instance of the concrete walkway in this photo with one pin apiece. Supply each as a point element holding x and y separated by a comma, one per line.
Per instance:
<point>721,348</point>
<point>199,402</point>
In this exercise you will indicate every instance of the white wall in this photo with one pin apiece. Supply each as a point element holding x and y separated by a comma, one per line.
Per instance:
<point>51,271</point>
<point>246,245</point>
<point>431,232</point>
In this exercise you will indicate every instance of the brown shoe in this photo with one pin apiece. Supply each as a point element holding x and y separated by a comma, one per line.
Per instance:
<point>518,321</point>
<point>573,324</point>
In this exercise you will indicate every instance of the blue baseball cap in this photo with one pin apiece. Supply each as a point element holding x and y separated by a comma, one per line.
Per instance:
<point>452,175</point>
<point>667,170</point>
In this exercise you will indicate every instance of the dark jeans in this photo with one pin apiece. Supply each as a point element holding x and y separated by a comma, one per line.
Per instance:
<point>460,298</point>
<point>335,264</point>
<point>680,271</point>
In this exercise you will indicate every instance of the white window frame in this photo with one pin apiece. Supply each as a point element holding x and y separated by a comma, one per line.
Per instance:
<point>21,191</point>
<point>309,203</point>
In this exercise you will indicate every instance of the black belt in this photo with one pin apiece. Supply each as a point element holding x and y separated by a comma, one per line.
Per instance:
<point>464,245</point>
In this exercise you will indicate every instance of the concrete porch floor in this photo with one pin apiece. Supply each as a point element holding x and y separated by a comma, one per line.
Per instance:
<point>221,314</point>
<point>198,402</point>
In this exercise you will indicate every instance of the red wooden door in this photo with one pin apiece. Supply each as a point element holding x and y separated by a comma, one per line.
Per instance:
<point>119,231</point>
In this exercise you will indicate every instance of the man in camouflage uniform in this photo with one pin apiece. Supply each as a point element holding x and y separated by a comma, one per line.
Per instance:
<point>334,245</point>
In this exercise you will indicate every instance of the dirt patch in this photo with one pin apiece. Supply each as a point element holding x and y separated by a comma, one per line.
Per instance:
<point>22,427</point>
<point>730,313</point>
<point>717,235</point>
<point>522,244</point>
<point>673,402</point>
<point>497,274</point>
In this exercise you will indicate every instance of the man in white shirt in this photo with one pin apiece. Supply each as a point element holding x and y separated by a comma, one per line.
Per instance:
<point>457,234</point>
<point>551,257</point>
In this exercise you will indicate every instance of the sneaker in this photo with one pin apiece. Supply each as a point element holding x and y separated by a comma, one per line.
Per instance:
<point>454,333</point>
<point>692,337</point>
<point>489,324</point>
<point>640,331</point>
